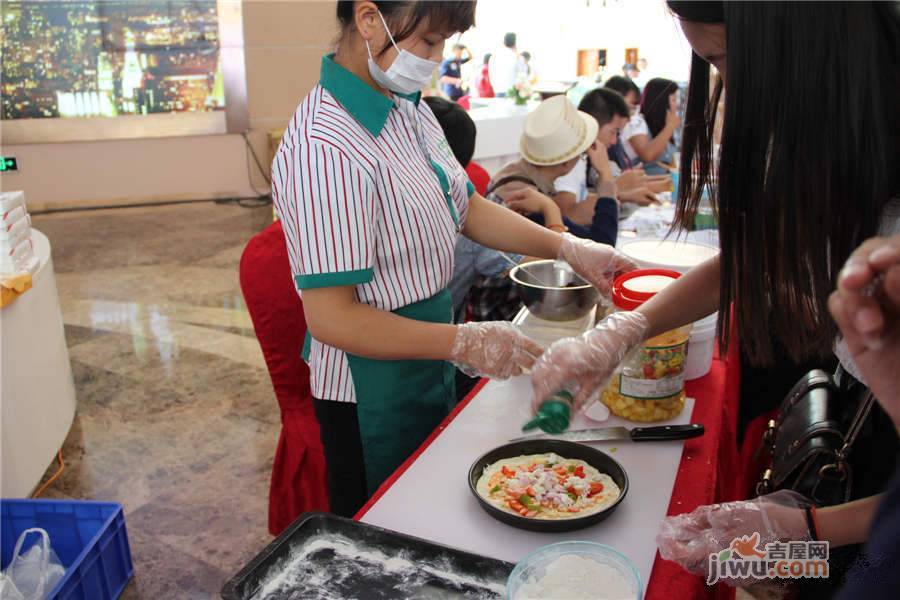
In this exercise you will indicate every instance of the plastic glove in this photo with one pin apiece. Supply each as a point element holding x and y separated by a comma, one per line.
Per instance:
<point>495,349</point>
<point>866,308</point>
<point>582,365</point>
<point>690,538</point>
<point>595,263</point>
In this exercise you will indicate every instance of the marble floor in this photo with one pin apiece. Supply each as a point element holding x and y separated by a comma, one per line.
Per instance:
<point>176,415</point>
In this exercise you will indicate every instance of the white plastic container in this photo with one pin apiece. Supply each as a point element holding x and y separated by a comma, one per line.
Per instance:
<point>676,255</point>
<point>701,347</point>
<point>535,566</point>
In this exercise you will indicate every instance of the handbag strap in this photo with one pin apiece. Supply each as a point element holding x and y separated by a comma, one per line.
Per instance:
<point>859,419</point>
<point>862,413</point>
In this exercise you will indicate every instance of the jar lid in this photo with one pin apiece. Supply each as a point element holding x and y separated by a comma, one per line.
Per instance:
<point>632,289</point>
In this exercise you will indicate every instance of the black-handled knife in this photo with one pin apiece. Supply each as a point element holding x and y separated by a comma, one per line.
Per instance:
<point>660,433</point>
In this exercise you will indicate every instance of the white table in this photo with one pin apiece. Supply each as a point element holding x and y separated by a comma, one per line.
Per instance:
<point>37,394</point>
<point>490,419</point>
<point>499,123</point>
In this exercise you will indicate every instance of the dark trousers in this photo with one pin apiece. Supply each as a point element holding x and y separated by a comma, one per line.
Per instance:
<point>346,469</point>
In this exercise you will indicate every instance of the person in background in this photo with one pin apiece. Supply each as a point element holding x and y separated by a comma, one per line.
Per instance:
<point>530,72</point>
<point>630,71</point>
<point>506,66</point>
<point>632,95</point>
<point>649,135</point>
<point>627,88</point>
<point>451,72</point>
<point>643,73</point>
<point>483,86</point>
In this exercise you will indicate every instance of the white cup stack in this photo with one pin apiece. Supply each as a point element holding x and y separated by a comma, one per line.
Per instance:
<point>16,248</point>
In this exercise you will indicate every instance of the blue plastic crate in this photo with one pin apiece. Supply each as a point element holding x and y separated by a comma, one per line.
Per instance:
<point>89,538</point>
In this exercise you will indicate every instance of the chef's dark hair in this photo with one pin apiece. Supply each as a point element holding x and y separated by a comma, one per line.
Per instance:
<point>655,103</point>
<point>458,126</point>
<point>803,180</point>
<point>603,105</point>
<point>623,85</point>
<point>404,16</point>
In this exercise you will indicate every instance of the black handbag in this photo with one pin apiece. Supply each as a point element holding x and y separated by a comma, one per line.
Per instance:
<point>810,441</point>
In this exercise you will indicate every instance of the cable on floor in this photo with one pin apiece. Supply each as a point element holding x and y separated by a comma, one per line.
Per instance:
<point>242,201</point>
<point>54,477</point>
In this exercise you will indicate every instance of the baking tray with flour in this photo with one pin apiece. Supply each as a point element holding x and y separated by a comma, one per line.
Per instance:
<point>323,557</point>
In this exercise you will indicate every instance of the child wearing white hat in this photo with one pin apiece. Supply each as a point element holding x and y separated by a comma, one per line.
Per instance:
<point>555,137</point>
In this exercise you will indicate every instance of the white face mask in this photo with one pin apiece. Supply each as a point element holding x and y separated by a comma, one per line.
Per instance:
<point>407,74</point>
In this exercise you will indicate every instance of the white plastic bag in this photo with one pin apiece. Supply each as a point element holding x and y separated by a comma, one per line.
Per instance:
<point>34,574</point>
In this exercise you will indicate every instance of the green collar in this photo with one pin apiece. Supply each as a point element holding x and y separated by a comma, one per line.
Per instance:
<point>365,104</point>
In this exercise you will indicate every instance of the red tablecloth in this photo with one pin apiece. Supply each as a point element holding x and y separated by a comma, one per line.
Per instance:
<point>709,471</point>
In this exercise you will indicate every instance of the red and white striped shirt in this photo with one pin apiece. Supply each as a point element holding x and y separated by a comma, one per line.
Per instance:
<point>369,194</point>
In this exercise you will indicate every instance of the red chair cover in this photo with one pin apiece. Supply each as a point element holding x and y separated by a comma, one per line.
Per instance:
<point>298,473</point>
<point>479,177</point>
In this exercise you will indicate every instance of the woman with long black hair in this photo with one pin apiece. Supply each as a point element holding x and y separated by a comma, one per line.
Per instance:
<point>803,178</point>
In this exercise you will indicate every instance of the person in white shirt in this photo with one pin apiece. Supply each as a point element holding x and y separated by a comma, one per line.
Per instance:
<point>506,66</point>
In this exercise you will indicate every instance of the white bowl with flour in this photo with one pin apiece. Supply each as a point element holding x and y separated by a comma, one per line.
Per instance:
<point>575,570</point>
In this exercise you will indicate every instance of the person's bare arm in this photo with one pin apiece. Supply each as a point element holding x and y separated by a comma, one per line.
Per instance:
<point>499,228</point>
<point>659,183</point>
<point>847,523</point>
<point>641,196</point>
<point>566,202</point>
<point>648,149</point>
<point>335,317</point>
<point>693,296</point>
<point>631,179</point>
<point>490,349</point>
<point>583,212</point>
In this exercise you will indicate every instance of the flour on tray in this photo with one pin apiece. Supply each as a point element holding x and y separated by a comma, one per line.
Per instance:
<point>331,566</point>
<point>574,578</point>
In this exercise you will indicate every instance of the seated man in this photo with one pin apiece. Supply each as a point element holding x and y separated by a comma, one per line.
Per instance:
<point>555,138</point>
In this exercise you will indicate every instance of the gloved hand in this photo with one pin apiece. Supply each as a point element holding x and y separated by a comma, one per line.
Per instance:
<point>583,364</point>
<point>690,538</point>
<point>495,349</point>
<point>595,263</point>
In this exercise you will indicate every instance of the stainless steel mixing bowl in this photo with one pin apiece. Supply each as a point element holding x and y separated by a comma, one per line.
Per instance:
<point>553,291</point>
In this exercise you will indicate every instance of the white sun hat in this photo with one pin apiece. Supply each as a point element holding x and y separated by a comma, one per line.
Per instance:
<point>556,131</point>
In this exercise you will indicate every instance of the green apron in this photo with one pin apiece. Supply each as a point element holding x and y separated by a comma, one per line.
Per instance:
<point>400,402</point>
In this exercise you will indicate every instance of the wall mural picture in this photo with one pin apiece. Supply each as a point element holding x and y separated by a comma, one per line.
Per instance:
<point>109,58</point>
